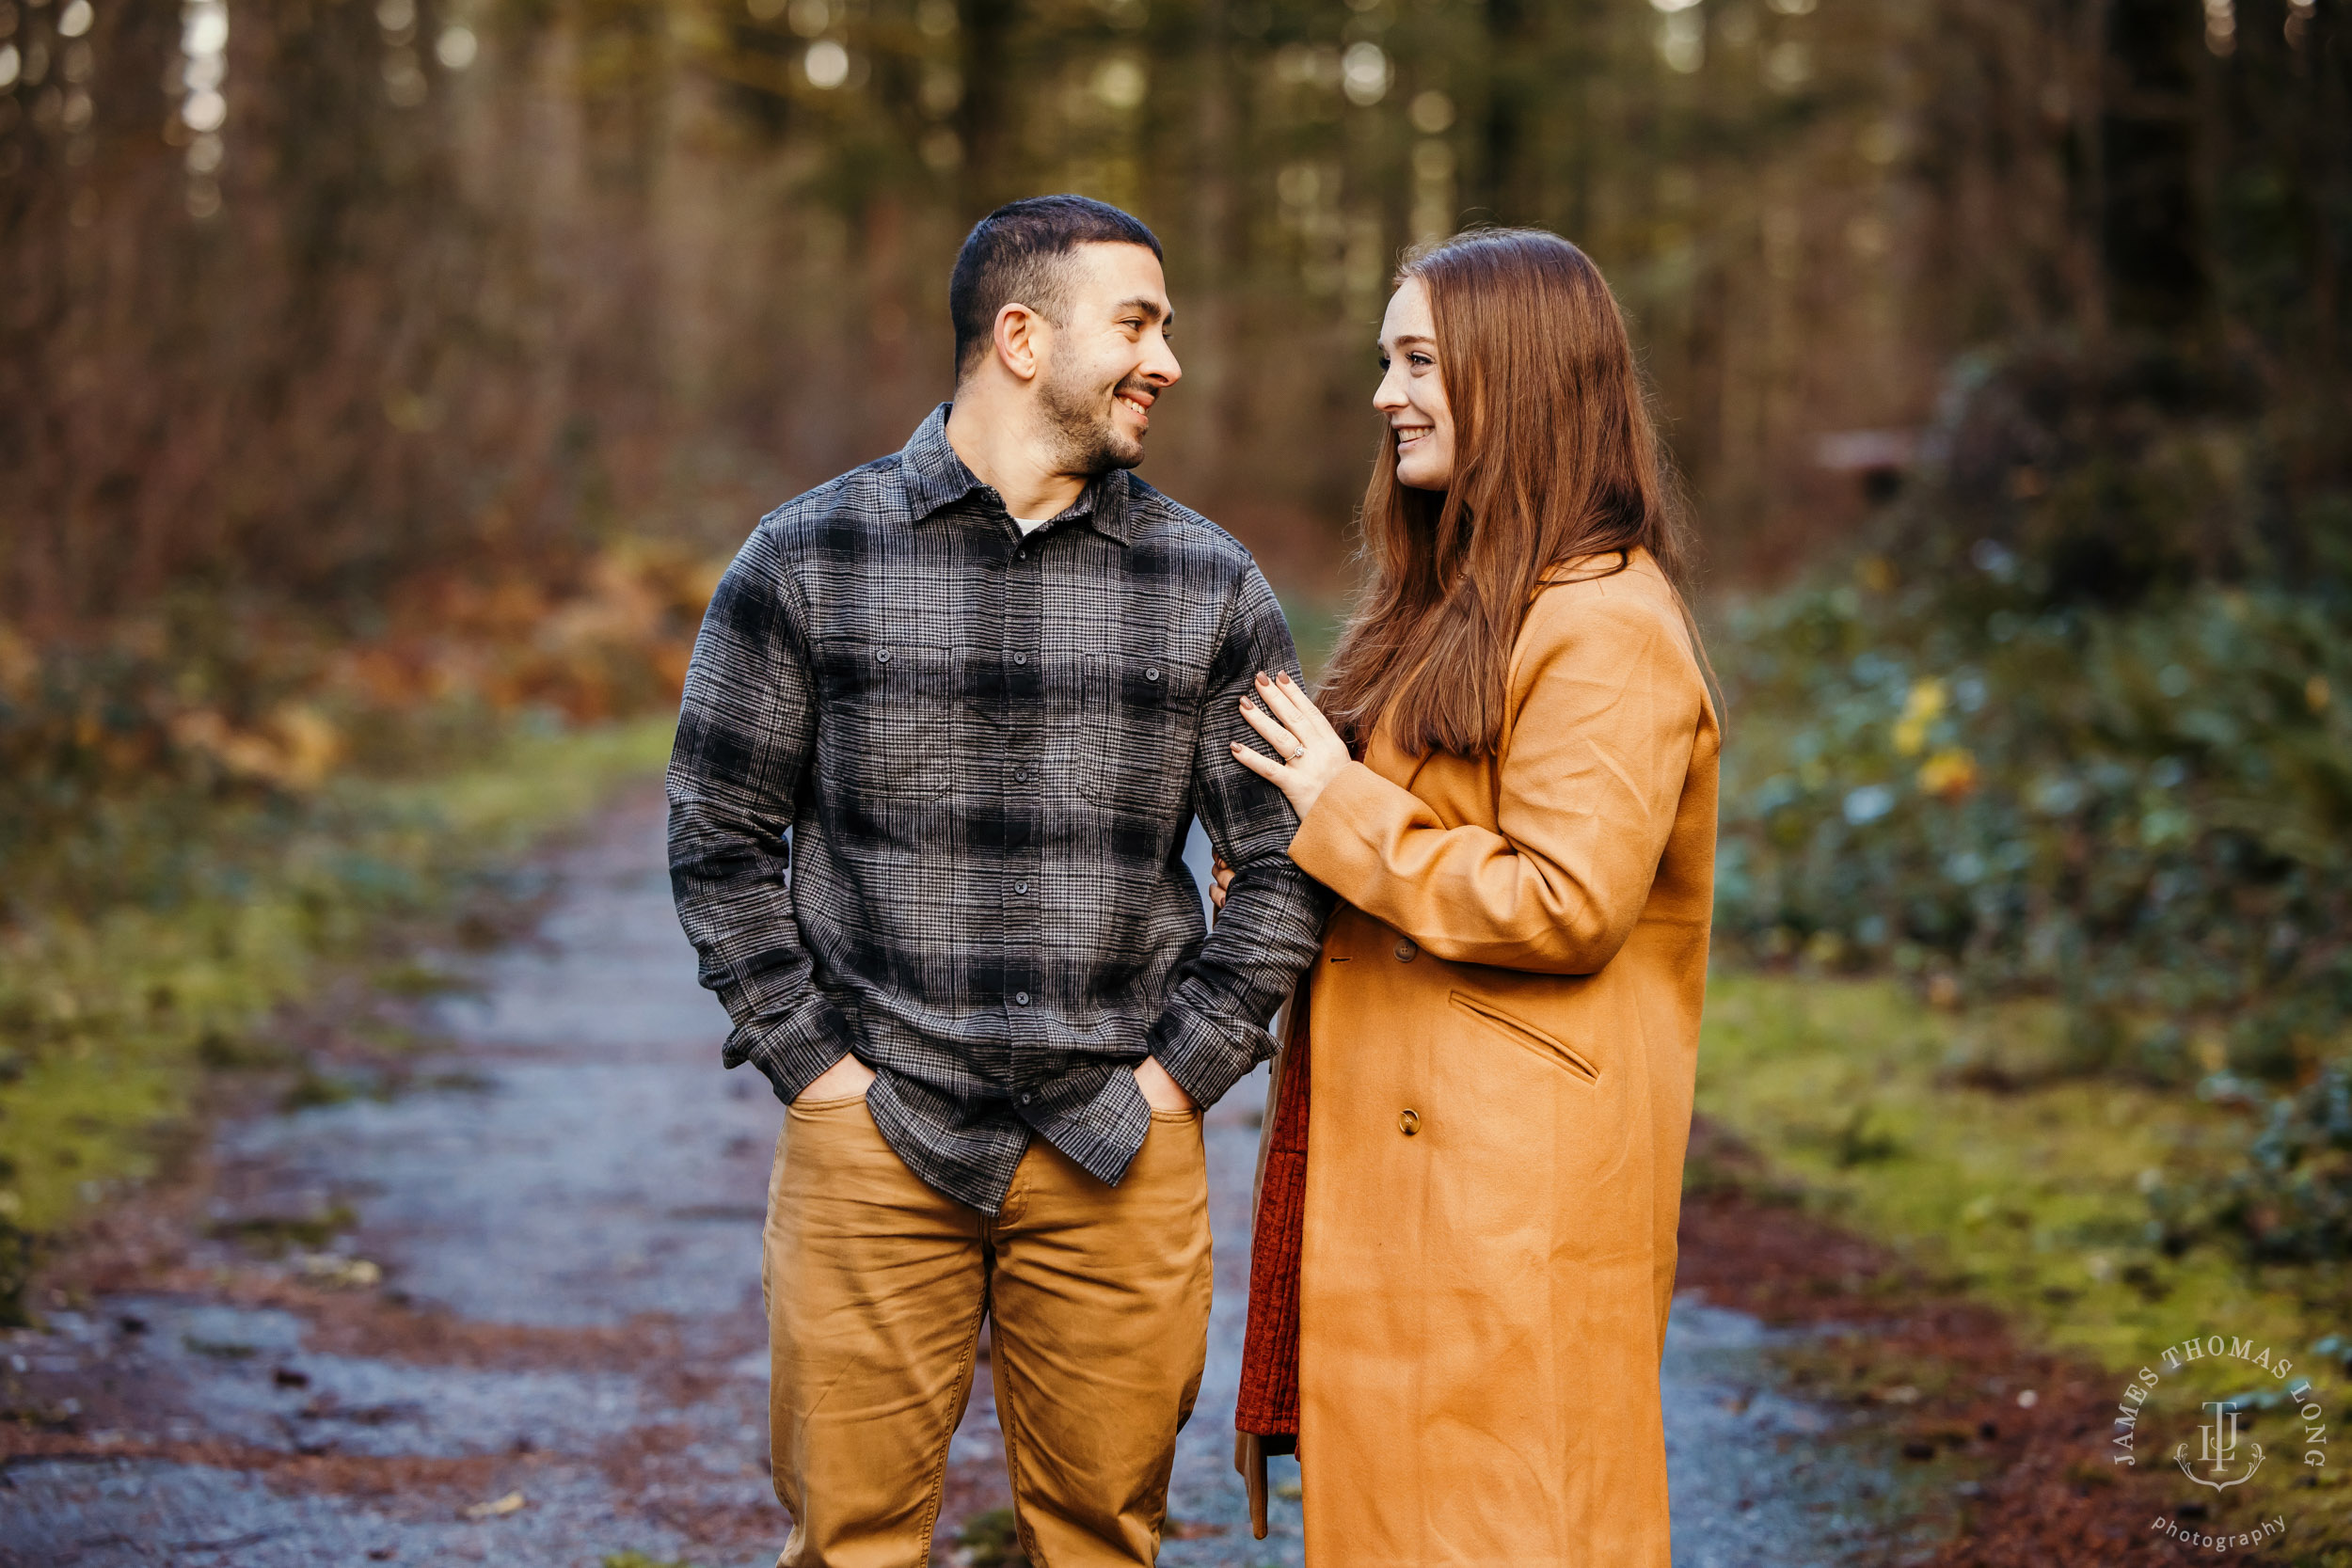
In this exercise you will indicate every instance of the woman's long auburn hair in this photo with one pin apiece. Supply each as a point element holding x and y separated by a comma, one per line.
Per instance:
<point>1555,460</point>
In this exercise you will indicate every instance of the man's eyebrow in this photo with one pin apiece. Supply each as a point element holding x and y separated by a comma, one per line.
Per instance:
<point>1149,306</point>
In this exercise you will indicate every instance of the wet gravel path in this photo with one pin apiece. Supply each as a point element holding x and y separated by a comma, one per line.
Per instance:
<point>526,1329</point>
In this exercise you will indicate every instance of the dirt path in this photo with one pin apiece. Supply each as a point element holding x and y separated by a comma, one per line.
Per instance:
<point>518,1321</point>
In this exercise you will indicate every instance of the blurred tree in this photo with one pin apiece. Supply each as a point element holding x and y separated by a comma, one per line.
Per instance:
<point>364,291</point>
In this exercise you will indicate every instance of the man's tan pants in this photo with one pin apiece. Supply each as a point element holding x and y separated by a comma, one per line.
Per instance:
<point>876,1287</point>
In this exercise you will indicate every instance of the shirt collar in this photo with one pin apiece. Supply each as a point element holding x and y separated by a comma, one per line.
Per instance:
<point>936,478</point>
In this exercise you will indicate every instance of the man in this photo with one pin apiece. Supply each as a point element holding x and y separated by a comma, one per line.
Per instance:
<point>985,685</point>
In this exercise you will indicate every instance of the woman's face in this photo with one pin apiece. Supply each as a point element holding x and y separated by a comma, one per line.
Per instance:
<point>1412,393</point>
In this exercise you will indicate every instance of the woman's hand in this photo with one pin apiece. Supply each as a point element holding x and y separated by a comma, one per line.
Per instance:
<point>1220,880</point>
<point>1311,750</point>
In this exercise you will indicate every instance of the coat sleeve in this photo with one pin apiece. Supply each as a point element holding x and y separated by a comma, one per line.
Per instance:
<point>1608,705</point>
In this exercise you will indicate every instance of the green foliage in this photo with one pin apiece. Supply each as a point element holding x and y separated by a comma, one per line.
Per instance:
<point>2140,811</point>
<point>2294,1199</point>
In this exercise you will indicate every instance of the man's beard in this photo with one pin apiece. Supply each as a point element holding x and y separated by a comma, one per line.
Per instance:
<point>1085,438</point>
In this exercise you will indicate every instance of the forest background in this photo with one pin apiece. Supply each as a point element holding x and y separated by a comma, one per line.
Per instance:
<point>383,386</point>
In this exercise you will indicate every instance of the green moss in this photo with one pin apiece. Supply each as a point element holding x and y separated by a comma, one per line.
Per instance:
<point>111,1020</point>
<point>2034,1198</point>
<point>993,1539</point>
<point>1938,1133</point>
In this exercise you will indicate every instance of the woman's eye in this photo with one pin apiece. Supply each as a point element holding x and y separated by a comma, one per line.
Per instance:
<point>1423,359</point>
<point>1384,364</point>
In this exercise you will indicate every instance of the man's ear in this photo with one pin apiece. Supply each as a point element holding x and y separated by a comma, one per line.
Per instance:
<point>1018,341</point>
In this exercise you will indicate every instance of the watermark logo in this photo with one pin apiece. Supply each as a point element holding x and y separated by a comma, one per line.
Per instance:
<point>2220,1435</point>
<point>2163,1411</point>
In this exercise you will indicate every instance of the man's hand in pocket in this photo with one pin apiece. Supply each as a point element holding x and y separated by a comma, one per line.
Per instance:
<point>1160,1091</point>
<point>846,1079</point>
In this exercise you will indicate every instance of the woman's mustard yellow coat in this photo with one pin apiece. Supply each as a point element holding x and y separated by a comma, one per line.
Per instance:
<point>1505,1022</point>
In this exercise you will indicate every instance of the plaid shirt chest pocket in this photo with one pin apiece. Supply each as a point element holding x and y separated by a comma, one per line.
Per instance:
<point>883,716</point>
<point>1140,711</point>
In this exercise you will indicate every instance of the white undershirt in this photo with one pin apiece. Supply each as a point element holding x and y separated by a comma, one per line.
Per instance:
<point>1029,525</point>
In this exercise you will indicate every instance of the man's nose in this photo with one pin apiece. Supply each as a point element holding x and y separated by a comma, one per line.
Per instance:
<point>1160,365</point>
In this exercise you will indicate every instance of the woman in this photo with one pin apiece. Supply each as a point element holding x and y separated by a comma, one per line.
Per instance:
<point>1465,1241</point>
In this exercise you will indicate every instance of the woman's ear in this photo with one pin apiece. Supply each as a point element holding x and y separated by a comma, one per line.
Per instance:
<point>1018,341</point>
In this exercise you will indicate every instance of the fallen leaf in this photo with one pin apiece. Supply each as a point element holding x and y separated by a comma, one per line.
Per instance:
<point>327,1268</point>
<point>511,1503</point>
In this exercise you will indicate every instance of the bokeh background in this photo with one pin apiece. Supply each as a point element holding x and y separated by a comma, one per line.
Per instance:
<point>382,387</point>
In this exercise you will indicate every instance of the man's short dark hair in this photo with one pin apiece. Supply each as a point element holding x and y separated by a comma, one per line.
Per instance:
<point>1020,253</point>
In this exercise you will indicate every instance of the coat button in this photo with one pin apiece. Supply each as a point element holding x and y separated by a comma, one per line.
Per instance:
<point>1405,950</point>
<point>1408,1122</point>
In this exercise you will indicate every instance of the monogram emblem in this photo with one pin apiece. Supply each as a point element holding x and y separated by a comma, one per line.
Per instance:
<point>2218,1444</point>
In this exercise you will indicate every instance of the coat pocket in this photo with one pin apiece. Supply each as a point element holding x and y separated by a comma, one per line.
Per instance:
<point>1519,1032</point>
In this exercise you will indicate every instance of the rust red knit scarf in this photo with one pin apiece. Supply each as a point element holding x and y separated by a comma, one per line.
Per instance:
<point>1269,1358</point>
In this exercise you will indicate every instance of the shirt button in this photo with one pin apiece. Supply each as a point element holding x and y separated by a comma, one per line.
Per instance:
<point>1028,1100</point>
<point>1151,673</point>
<point>1406,949</point>
<point>1021,999</point>
<point>1020,887</point>
<point>1021,658</point>
<point>883,654</point>
<point>1408,1122</point>
<point>1020,775</point>
<point>1021,555</point>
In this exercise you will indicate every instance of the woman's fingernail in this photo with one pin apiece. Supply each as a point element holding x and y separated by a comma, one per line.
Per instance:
<point>1262,680</point>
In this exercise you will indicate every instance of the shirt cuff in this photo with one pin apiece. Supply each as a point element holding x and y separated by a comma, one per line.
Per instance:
<point>1102,1135</point>
<point>1206,1060</point>
<point>793,1053</point>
